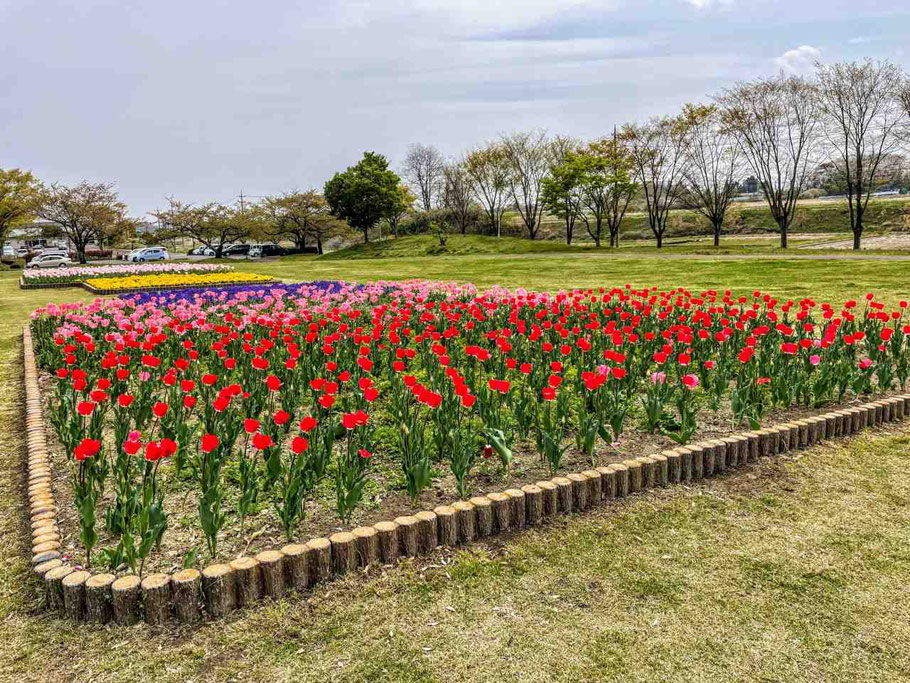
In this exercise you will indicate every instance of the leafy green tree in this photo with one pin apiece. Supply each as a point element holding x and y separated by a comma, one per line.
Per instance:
<point>561,192</point>
<point>404,204</point>
<point>20,193</point>
<point>365,193</point>
<point>607,187</point>
<point>593,185</point>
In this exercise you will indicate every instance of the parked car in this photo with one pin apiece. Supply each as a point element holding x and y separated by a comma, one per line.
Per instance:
<point>236,250</point>
<point>148,254</point>
<point>22,251</point>
<point>266,249</point>
<point>201,251</point>
<point>49,261</point>
<point>53,251</point>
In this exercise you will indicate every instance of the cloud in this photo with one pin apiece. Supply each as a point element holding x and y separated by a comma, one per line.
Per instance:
<point>859,40</point>
<point>798,61</point>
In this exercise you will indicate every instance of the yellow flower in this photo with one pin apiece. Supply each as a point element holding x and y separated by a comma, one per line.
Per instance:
<point>174,280</point>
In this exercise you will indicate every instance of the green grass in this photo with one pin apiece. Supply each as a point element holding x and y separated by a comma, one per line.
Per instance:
<point>793,570</point>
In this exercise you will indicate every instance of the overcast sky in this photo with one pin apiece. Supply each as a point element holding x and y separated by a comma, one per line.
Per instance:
<point>202,99</point>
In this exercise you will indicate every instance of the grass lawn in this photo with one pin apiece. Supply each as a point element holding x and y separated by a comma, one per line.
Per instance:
<point>792,570</point>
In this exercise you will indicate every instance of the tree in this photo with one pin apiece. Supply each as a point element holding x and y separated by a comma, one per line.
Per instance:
<point>713,166</point>
<point>403,205</point>
<point>365,193</point>
<point>657,150</point>
<point>528,155</point>
<point>83,212</point>
<point>488,168</point>
<point>561,193</point>
<point>214,225</point>
<point>457,196</point>
<point>20,194</point>
<point>298,217</point>
<point>606,187</point>
<point>862,109</point>
<point>424,168</point>
<point>774,122</point>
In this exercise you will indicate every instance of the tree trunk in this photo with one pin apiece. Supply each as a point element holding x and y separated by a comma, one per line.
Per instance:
<point>660,240</point>
<point>319,244</point>
<point>597,241</point>
<point>717,226</point>
<point>858,229</point>
<point>366,235</point>
<point>782,223</point>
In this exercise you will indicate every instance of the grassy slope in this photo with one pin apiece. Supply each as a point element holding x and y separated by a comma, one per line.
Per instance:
<point>784,572</point>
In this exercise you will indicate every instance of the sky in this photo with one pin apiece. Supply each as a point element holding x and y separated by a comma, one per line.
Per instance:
<point>204,99</point>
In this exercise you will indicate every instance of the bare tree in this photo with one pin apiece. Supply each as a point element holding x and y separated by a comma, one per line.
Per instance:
<point>299,216</point>
<point>488,168</point>
<point>423,168</point>
<point>84,212</point>
<point>904,97</point>
<point>713,166</point>
<point>861,104</point>
<point>658,150</point>
<point>529,155</point>
<point>458,197</point>
<point>774,122</point>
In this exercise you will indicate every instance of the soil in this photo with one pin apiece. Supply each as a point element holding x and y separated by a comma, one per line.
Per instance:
<point>384,496</point>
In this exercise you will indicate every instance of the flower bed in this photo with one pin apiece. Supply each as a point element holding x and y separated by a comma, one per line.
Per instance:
<point>74,275</point>
<point>239,413</point>
<point>119,285</point>
<point>189,594</point>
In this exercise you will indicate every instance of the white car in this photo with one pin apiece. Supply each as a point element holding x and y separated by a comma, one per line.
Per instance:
<point>49,261</point>
<point>53,251</point>
<point>148,254</point>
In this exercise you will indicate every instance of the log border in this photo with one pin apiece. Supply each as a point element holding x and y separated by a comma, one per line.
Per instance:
<point>191,595</point>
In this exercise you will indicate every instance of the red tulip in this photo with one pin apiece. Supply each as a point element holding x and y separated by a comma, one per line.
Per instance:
<point>209,443</point>
<point>299,444</point>
<point>262,441</point>
<point>87,448</point>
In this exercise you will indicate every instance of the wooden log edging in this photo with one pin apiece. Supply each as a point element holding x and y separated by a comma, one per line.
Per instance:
<point>190,595</point>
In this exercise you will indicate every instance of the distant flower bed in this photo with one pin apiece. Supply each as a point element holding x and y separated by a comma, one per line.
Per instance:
<point>79,273</point>
<point>164,280</point>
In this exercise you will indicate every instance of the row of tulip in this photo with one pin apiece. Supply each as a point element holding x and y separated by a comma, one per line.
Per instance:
<point>166,280</point>
<point>290,384</point>
<point>80,273</point>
